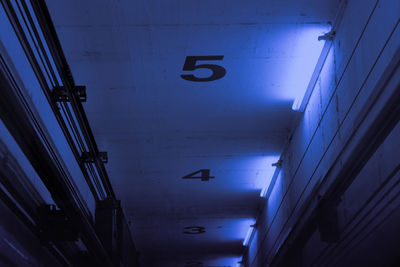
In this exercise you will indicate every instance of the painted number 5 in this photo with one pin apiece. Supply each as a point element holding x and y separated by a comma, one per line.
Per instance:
<point>190,64</point>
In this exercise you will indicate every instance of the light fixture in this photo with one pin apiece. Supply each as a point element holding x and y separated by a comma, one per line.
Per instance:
<point>248,235</point>
<point>268,187</point>
<point>263,192</point>
<point>302,99</point>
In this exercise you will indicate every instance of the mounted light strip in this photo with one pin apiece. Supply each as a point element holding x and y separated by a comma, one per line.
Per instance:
<point>248,235</point>
<point>263,191</point>
<point>266,191</point>
<point>301,100</point>
<point>300,103</point>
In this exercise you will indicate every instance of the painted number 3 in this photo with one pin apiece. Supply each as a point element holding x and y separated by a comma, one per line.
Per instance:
<point>194,230</point>
<point>190,65</point>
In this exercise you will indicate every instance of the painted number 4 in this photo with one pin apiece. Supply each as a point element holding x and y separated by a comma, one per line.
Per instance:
<point>204,175</point>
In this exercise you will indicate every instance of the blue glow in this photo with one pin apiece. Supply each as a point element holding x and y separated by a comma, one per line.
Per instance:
<point>268,174</point>
<point>226,261</point>
<point>275,197</point>
<point>247,173</point>
<point>249,233</point>
<point>264,192</point>
<point>309,49</point>
<point>292,73</point>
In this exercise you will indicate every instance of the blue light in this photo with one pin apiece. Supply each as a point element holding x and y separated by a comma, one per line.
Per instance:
<point>263,192</point>
<point>289,70</point>
<point>249,234</point>
<point>268,174</point>
<point>309,51</point>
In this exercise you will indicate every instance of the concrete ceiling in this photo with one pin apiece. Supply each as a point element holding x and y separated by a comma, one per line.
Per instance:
<point>158,127</point>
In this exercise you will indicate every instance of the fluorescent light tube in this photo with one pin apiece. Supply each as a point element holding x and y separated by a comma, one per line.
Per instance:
<point>301,100</point>
<point>248,235</point>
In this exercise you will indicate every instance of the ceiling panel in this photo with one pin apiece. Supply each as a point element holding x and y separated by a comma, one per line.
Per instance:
<point>158,127</point>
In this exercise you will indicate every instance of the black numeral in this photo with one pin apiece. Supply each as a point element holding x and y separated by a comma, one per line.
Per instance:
<point>204,175</point>
<point>194,230</point>
<point>190,64</point>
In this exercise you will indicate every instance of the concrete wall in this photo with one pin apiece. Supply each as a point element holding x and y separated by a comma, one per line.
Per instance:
<point>367,38</point>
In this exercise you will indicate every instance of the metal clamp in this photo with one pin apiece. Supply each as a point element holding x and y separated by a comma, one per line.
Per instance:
<point>327,36</point>
<point>277,164</point>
